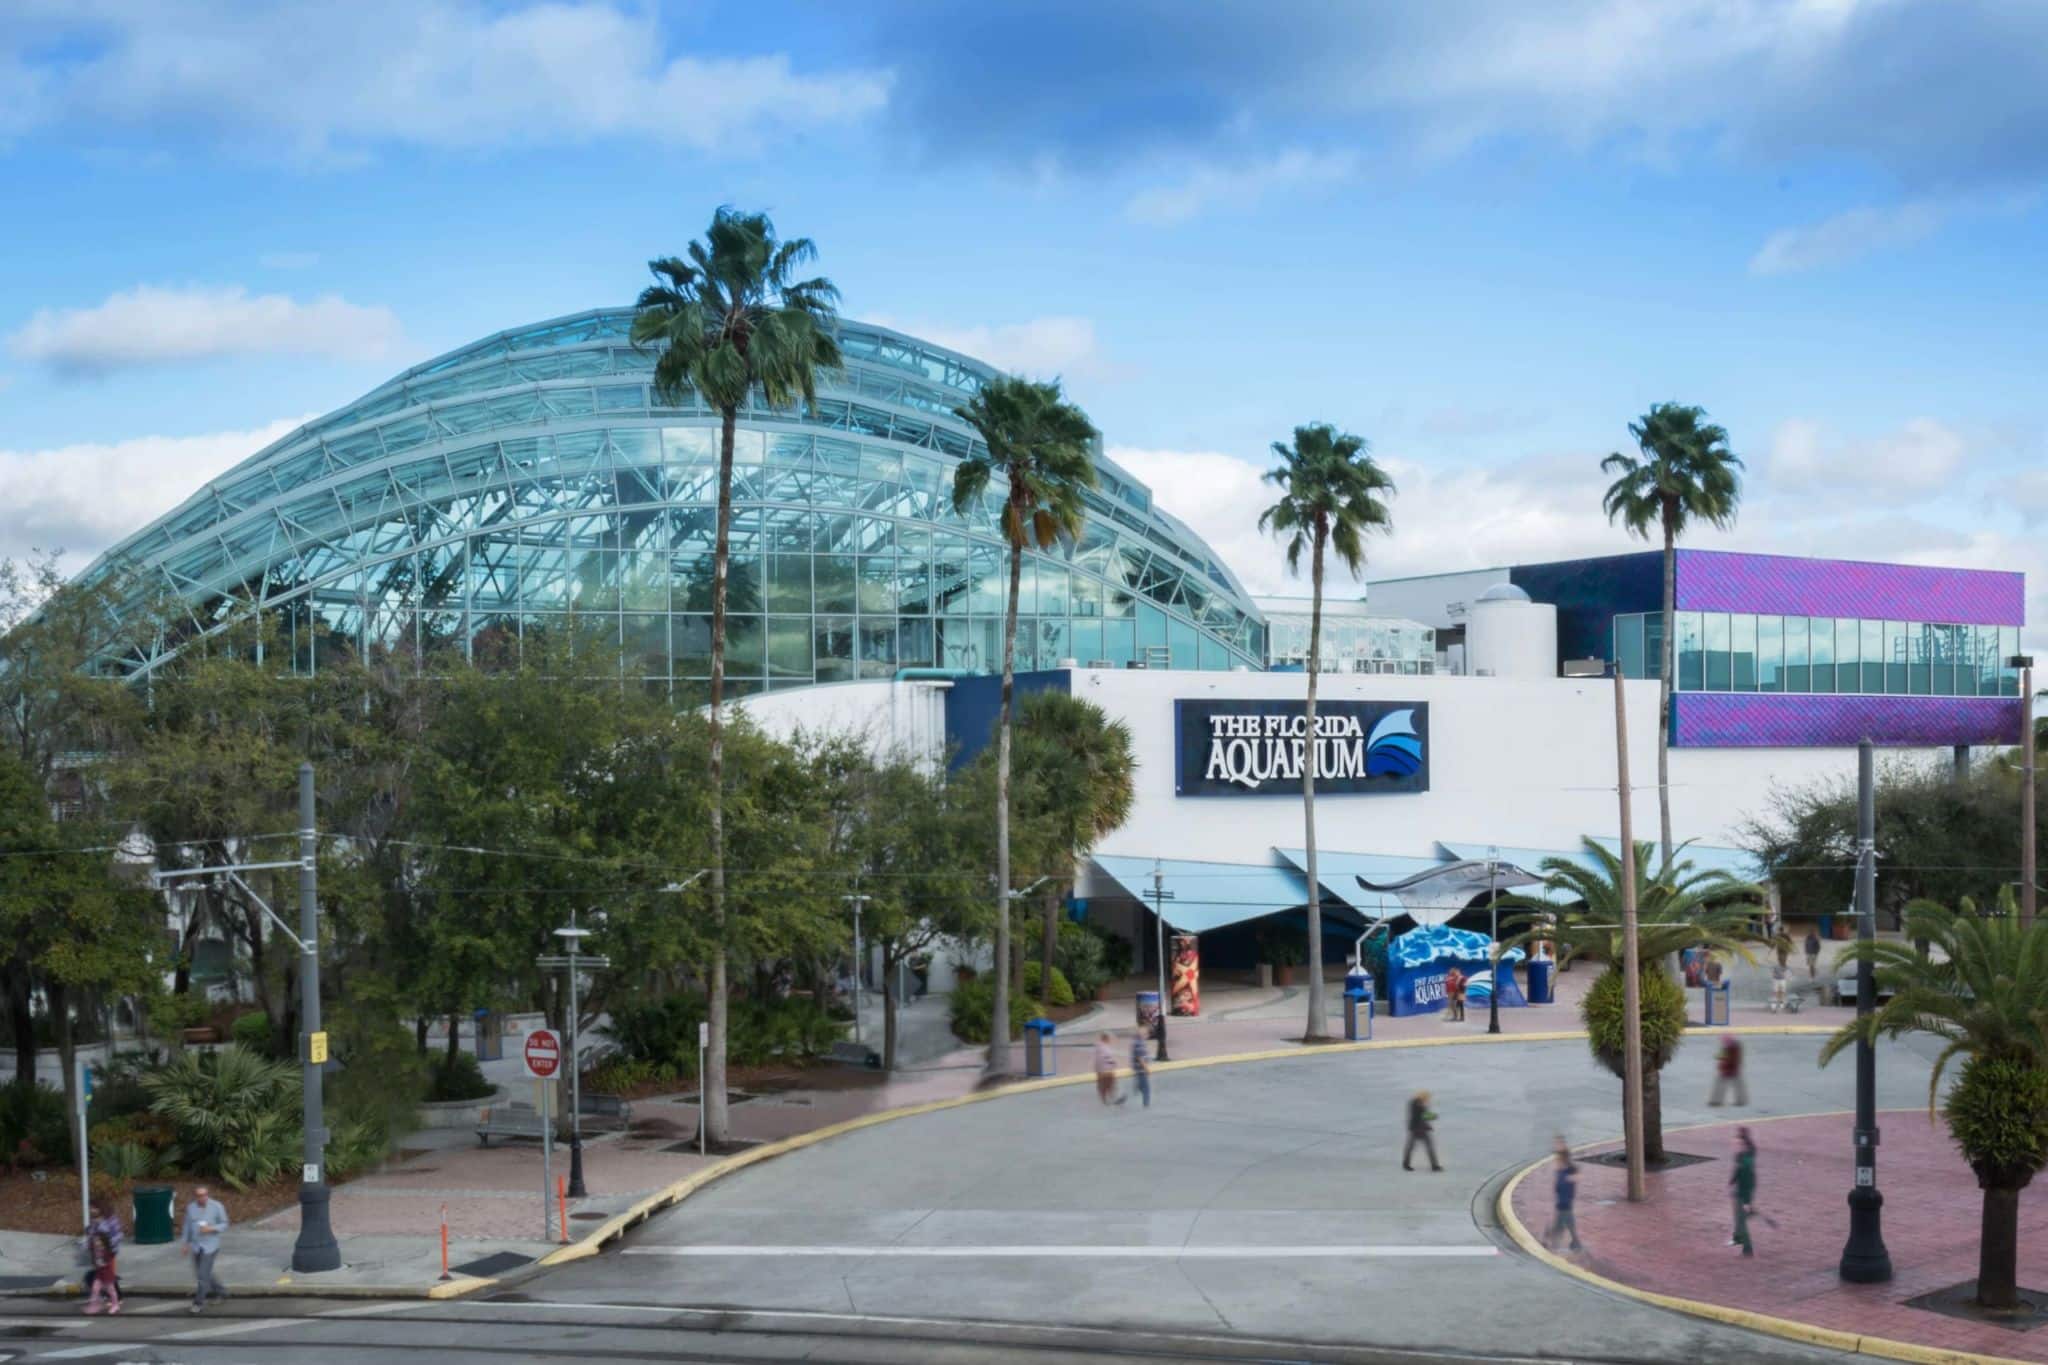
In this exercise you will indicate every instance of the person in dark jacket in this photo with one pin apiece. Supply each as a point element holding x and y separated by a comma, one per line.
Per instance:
<point>1728,1072</point>
<point>1812,953</point>
<point>1742,1184</point>
<point>1565,1186</point>
<point>1420,1129</point>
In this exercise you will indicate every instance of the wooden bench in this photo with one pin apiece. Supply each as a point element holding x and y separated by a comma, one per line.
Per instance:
<point>510,1121</point>
<point>608,1110</point>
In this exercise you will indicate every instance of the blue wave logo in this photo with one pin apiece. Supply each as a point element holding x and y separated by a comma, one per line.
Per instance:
<point>1394,749</point>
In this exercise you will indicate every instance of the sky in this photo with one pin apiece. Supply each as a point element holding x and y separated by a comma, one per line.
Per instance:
<point>1483,234</point>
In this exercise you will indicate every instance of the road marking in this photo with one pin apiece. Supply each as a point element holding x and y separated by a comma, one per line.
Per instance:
<point>1179,1253</point>
<point>85,1352</point>
<point>232,1329</point>
<point>364,1310</point>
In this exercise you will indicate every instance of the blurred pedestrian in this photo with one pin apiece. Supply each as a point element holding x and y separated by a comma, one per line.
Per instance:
<point>102,1247</point>
<point>1454,993</point>
<point>1779,973</point>
<point>1105,1068</point>
<point>205,1220</point>
<point>1812,952</point>
<point>1141,1071</point>
<point>1565,1189</point>
<point>1421,1128</point>
<point>1742,1182</point>
<point>1728,1073</point>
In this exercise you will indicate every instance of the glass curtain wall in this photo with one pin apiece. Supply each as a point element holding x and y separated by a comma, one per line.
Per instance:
<point>1743,652</point>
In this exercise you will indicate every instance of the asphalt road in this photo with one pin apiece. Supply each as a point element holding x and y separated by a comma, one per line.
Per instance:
<point>1254,1212</point>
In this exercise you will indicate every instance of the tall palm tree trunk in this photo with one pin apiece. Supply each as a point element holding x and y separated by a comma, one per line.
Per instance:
<point>1653,1114</point>
<point>1998,1247</point>
<point>1316,1028</point>
<point>1665,676</point>
<point>999,1017</point>
<point>711,1085</point>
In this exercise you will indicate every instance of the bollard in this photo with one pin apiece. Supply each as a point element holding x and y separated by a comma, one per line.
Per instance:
<point>562,1203</point>
<point>444,1241</point>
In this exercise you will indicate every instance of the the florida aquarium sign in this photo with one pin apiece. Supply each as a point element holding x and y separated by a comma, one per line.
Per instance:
<point>1258,747</point>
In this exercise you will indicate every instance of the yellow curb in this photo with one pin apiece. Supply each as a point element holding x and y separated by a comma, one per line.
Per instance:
<point>1787,1328</point>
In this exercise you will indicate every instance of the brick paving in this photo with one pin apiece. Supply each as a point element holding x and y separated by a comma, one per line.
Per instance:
<point>1675,1242</point>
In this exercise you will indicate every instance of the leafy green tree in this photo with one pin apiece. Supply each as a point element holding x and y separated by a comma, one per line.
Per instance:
<point>732,318</point>
<point>1332,496</point>
<point>1684,473</point>
<point>1040,448</point>
<point>1982,989</point>
<point>1677,906</point>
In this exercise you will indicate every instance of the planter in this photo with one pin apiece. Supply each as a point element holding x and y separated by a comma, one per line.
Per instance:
<point>194,1036</point>
<point>456,1113</point>
<point>1283,973</point>
<point>1101,994</point>
<point>1265,976</point>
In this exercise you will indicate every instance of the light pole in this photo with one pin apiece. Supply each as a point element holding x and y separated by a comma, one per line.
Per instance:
<point>1493,903</point>
<point>1631,975</point>
<point>1160,896</point>
<point>1864,1258</point>
<point>857,901</point>
<point>2028,892</point>
<point>573,962</point>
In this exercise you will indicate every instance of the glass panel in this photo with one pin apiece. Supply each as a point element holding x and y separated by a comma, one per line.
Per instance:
<point>835,582</point>
<point>789,647</point>
<point>1052,589</point>
<point>914,644</point>
<point>878,585</point>
<point>878,647</point>
<point>1770,653</point>
<point>1213,654</point>
<point>1798,675</point>
<point>1653,645</point>
<point>1941,660</point>
<point>1919,646</point>
<point>645,644</point>
<point>1987,661</point>
<point>1087,641</point>
<point>1691,665</point>
<point>1181,640</point>
<point>1872,633</point>
<point>1119,643</point>
<point>1821,645</point>
<point>1052,640</point>
<point>1716,632</point>
<point>1742,652</point>
<point>834,648</point>
<point>2008,646</point>
<point>691,637</point>
<point>1847,655</point>
<point>1895,656</point>
<point>1628,645</point>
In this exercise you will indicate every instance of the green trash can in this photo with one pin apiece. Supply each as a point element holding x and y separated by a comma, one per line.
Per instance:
<point>152,1214</point>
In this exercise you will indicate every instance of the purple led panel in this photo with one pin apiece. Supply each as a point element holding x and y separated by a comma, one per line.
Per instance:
<point>1712,580</point>
<point>1734,720</point>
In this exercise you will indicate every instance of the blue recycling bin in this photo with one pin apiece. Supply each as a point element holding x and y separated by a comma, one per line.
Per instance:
<point>1358,1006</point>
<point>1039,1056</point>
<point>1541,983</point>
<point>1716,1004</point>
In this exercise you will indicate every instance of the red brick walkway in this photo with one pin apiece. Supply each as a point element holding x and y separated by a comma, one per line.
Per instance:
<point>1676,1242</point>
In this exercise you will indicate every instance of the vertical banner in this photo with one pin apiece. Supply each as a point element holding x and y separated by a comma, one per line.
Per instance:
<point>1187,975</point>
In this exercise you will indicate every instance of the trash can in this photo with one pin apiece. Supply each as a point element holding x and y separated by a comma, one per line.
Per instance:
<point>1717,1005</point>
<point>1358,979</point>
<point>1538,970</point>
<point>1357,1006</point>
<point>490,1037</point>
<point>1148,1013</point>
<point>1038,1049</point>
<point>152,1214</point>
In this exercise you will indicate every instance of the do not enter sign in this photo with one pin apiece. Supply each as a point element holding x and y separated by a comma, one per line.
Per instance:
<point>543,1054</point>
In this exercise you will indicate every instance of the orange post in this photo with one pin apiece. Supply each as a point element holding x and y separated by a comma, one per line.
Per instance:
<point>444,1241</point>
<point>562,1203</point>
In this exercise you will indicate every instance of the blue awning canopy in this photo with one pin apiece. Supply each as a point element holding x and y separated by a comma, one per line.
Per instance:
<point>1339,873</point>
<point>1204,896</point>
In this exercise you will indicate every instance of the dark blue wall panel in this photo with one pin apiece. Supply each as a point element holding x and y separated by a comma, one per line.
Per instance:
<point>973,704</point>
<point>1590,593</point>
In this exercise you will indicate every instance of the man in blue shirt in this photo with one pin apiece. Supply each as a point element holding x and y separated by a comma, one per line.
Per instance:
<point>1567,1192</point>
<point>205,1220</point>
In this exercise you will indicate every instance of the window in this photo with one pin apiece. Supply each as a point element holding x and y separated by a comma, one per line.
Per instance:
<point>1742,652</point>
<point>1691,655</point>
<point>1653,645</point>
<point>1918,645</point>
<point>1770,653</point>
<point>1941,660</point>
<point>1628,646</point>
<point>1798,675</point>
<point>1821,647</point>
<point>1847,652</point>
<point>2008,646</point>
<point>1872,633</point>
<point>1895,656</point>
<point>1715,629</point>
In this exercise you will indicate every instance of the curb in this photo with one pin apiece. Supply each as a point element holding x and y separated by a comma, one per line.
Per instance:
<point>1789,1329</point>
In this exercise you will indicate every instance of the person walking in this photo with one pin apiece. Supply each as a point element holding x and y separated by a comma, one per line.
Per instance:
<point>1742,1182</point>
<point>1421,1128</point>
<point>1779,974</point>
<point>1454,993</point>
<point>1141,1072</point>
<point>205,1220</point>
<point>1812,952</point>
<point>1105,1069</point>
<point>1565,1189</point>
<point>102,1247</point>
<point>1728,1073</point>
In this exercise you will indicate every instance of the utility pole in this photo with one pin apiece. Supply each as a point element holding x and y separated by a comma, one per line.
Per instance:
<point>1864,1258</point>
<point>857,901</point>
<point>1631,978</point>
<point>1493,904</point>
<point>1160,896</point>
<point>2029,892</point>
<point>573,962</point>
<point>316,1248</point>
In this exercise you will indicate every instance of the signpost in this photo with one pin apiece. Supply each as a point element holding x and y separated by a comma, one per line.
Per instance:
<point>574,961</point>
<point>703,1043</point>
<point>84,1146</point>
<point>542,1057</point>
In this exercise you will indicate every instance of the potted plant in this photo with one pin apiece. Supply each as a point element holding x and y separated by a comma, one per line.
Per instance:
<point>1284,952</point>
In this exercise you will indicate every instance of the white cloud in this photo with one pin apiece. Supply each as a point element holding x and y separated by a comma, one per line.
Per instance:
<point>337,81</point>
<point>82,498</point>
<point>1921,457</point>
<point>1040,347</point>
<point>1847,236</point>
<point>1236,186</point>
<point>153,325</point>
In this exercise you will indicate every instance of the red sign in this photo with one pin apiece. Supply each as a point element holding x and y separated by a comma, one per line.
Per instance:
<point>543,1054</point>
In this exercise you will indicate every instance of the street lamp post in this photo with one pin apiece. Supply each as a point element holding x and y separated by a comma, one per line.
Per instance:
<point>1493,904</point>
<point>573,962</point>
<point>2029,893</point>
<point>1864,1258</point>
<point>1160,896</point>
<point>857,901</point>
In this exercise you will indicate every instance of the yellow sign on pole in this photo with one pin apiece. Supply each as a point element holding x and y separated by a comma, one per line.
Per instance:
<point>316,1048</point>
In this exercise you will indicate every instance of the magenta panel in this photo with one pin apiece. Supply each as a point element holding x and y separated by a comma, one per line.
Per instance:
<point>1733,720</point>
<point>1713,580</point>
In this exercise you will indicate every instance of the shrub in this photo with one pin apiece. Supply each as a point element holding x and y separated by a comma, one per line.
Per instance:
<point>253,1031</point>
<point>123,1160</point>
<point>1662,1010</point>
<point>974,1005</point>
<point>619,1076</point>
<point>34,1128</point>
<point>1116,952</point>
<point>1061,993</point>
<point>1998,1114</point>
<point>1282,947</point>
<point>170,1015</point>
<point>356,1144</point>
<point>458,1078</point>
<point>1084,957</point>
<point>661,1031</point>
<point>236,1113</point>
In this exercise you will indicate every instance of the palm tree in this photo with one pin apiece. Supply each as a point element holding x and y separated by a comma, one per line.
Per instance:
<point>1082,776</point>
<point>1685,473</point>
<point>730,319</point>
<point>1984,993</point>
<point>1041,447</point>
<point>1677,907</point>
<point>1332,495</point>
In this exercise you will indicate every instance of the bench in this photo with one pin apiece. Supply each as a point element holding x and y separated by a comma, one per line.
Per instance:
<point>608,1110</point>
<point>510,1121</point>
<point>855,1054</point>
